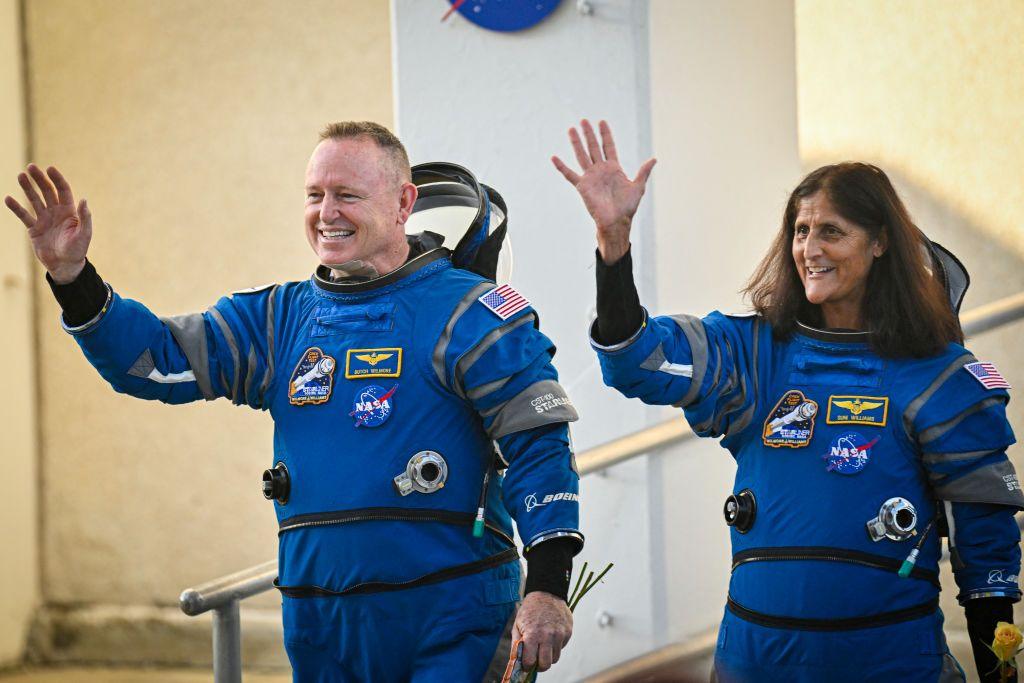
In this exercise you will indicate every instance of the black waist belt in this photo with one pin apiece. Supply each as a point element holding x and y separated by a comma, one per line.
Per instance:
<point>848,624</point>
<point>387,515</point>
<point>505,556</point>
<point>830,555</point>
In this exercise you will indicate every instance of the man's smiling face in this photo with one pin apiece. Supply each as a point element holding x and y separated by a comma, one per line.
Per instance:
<point>356,204</point>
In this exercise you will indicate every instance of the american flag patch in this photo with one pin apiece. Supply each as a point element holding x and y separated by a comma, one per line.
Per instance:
<point>504,301</point>
<point>987,374</point>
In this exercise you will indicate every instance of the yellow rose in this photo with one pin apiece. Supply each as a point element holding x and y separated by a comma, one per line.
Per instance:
<point>1007,639</point>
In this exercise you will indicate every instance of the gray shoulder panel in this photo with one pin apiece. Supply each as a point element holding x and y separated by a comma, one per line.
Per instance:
<point>490,339</point>
<point>190,332</point>
<point>446,336</point>
<point>541,403</point>
<point>914,407</point>
<point>936,431</point>
<point>939,458</point>
<point>996,484</point>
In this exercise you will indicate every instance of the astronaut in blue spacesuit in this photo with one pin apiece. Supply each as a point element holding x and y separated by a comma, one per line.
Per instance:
<point>401,388</point>
<point>861,428</point>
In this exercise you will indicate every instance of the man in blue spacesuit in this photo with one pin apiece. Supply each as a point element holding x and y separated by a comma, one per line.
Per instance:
<point>855,439</point>
<point>400,388</point>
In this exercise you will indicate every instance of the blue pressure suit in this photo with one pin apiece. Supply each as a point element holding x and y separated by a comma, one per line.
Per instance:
<point>824,432</point>
<point>396,403</point>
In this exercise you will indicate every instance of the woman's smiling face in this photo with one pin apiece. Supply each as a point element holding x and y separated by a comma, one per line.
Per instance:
<point>833,257</point>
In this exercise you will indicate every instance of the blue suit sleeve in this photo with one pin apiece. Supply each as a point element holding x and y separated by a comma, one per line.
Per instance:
<point>706,366</point>
<point>962,434</point>
<point>225,352</point>
<point>503,369</point>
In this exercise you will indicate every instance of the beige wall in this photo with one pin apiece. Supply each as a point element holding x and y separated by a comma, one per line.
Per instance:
<point>19,569</point>
<point>187,126</point>
<point>934,89</point>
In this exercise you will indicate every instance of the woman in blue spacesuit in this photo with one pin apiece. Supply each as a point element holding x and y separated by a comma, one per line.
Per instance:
<point>847,380</point>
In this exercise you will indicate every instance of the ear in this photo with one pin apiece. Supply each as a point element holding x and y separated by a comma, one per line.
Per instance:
<point>880,244</point>
<point>406,201</point>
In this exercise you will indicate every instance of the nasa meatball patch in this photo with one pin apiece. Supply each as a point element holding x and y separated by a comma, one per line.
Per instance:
<point>373,405</point>
<point>312,379</point>
<point>849,453</point>
<point>791,422</point>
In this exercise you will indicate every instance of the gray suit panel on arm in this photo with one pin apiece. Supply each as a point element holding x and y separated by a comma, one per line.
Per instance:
<point>446,335</point>
<point>189,331</point>
<point>541,403</point>
<point>996,484</point>
<point>490,339</point>
<point>269,374</point>
<point>697,338</point>
<point>233,348</point>
<point>143,365</point>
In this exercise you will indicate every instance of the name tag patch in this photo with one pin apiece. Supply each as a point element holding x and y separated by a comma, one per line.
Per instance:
<point>861,410</point>
<point>360,363</point>
<point>313,378</point>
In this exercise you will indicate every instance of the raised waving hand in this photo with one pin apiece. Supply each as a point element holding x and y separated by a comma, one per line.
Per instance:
<point>608,193</point>
<point>60,232</point>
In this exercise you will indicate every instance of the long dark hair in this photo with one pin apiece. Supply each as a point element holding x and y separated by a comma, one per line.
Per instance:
<point>905,307</point>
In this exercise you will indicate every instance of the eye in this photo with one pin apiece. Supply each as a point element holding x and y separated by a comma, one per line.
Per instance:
<point>347,196</point>
<point>802,230</point>
<point>313,196</point>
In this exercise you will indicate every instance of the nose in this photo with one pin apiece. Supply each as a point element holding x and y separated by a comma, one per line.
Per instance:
<point>329,209</point>
<point>812,246</point>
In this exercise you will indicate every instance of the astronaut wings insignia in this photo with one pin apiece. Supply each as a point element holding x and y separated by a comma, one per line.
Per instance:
<point>865,410</point>
<point>857,407</point>
<point>363,363</point>
<point>373,358</point>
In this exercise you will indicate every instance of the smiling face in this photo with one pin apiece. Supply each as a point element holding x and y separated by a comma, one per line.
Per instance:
<point>356,205</point>
<point>833,257</point>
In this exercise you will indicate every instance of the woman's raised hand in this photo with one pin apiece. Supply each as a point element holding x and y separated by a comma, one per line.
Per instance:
<point>609,195</point>
<point>60,232</point>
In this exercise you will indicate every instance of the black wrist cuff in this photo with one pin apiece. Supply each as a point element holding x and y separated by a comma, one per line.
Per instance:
<point>83,298</point>
<point>619,314</point>
<point>549,566</point>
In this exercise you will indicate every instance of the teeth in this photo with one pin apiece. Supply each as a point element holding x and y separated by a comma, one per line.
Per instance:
<point>819,269</point>
<point>336,233</point>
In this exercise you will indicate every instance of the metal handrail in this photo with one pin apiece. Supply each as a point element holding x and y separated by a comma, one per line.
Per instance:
<point>223,594</point>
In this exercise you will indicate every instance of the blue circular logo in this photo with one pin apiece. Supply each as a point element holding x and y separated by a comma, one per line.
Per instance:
<point>373,405</point>
<point>849,453</point>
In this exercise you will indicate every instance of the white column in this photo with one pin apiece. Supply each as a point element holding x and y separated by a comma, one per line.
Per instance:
<point>500,104</point>
<point>723,106</point>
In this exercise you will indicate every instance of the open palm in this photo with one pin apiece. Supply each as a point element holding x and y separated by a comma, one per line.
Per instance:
<point>59,231</point>
<point>610,196</point>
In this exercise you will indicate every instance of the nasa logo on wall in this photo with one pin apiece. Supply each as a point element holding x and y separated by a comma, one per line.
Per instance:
<point>373,405</point>
<point>791,422</point>
<point>849,453</point>
<point>503,15</point>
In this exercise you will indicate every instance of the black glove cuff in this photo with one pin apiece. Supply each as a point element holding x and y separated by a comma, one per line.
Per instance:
<point>619,314</point>
<point>549,566</point>
<point>83,298</point>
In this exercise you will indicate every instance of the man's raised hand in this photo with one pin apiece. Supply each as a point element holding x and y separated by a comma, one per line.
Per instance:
<point>609,195</point>
<point>60,232</point>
